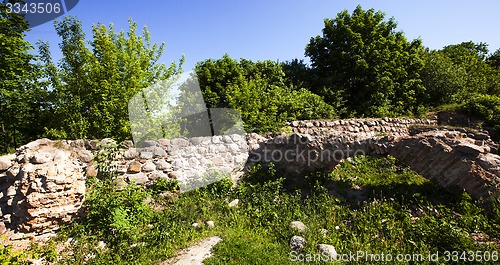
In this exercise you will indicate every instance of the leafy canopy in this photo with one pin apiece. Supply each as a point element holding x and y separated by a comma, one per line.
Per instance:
<point>95,79</point>
<point>258,91</point>
<point>21,98</point>
<point>373,66</point>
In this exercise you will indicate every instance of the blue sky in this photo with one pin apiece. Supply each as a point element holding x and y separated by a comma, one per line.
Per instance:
<point>275,30</point>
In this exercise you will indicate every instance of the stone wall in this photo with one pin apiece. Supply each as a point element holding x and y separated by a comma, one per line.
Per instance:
<point>43,184</point>
<point>452,158</point>
<point>359,127</point>
<point>321,145</point>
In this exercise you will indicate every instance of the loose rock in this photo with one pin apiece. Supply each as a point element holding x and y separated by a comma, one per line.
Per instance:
<point>234,203</point>
<point>297,243</point>
<point>298,226</point>
<point>327,251</point>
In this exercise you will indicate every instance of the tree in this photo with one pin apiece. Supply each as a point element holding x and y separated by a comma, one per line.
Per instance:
<point>21,98</point>
<point>298,74</point>
<point>480,76</point>
<point>494,60</point>
<point>443,80</point>
<point>370,64</point>
<point>258,91</point>
<point>92,85</point>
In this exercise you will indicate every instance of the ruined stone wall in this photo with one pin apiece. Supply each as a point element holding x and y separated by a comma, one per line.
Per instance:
<point>43,184</point>
<point>452,158</point>
<point>359,127</point>
<point>320,145</point>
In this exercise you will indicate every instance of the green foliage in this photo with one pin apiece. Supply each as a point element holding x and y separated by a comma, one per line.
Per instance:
<point>92,85</point>
<point>21,97</point>
<point>213,184</point>
<point>445,83</point>
<point>105,160</point>
<point>118,215</point>
<point>401,212</point>
<point>162,185</point>
<point>372,66</point>
<point>365,171</point>
<point>479,76</point>
<point>494,60</point>
<point>258,91</point>
<point>298,74</point>
<point>8,256</point>
<point>486,107</point>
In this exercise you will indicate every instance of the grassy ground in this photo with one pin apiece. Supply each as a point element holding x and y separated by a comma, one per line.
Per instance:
<point>368,205</point>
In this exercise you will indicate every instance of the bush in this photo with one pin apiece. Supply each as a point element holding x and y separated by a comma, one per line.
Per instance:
<point>486,107</point>
<point>8,256</point>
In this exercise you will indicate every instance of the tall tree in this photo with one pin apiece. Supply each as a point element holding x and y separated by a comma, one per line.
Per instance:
<point>371,65</point>
<point>95,79</point>
<point>21,99</point>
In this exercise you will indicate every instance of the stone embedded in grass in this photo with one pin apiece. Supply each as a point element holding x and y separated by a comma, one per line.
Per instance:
<point>327,250</point>
<point>91,171</point>
<point>234,203</point>
<point>297,243</point>
<point>323,231</point>
<point>195,225</point>
<point>298,226</point>
<point>101,245</point>
<point>119,183</point>
<point>210,224</point>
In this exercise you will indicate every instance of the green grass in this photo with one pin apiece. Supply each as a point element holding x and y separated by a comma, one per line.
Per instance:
<point>394,211</point>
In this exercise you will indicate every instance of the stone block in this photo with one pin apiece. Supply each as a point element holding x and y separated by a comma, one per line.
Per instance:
<point>134,167</point>
<point>6,161</point>
<point>148,166</point>
<point>130,154</point>
<point>41,158</point>
<point>469,149</point>
<point>138,178</point>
